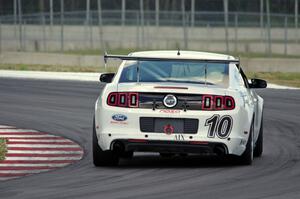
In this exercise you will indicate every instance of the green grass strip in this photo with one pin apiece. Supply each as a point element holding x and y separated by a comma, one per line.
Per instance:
<point>56,68</point>
<point>3,149</point>
<point>281,78</point>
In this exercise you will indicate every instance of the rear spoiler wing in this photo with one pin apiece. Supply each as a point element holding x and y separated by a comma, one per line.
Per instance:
<point>124,57</point>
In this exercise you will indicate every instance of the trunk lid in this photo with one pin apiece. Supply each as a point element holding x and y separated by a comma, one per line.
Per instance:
<point>163,87</point>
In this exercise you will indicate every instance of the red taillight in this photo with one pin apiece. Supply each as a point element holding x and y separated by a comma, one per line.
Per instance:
<point>207,102</point>
<point>123,99</point>
<point>217,102</point>
<point>229,103</point>
<point>112,99</point>
<point>133,100</point>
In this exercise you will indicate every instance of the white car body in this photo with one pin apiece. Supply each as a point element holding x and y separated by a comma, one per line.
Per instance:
<point>119,123</point>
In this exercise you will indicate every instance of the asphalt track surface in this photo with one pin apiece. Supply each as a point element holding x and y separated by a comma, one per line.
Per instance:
<point>66,109</point>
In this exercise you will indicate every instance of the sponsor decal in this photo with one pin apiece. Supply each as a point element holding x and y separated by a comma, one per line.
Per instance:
<point>179,137</point>
<point>170,111</point>
<point>119,117</point>
<point>168,129</point>
<point>170,101</point>
<point>243,142</point>
<point>117,122</point>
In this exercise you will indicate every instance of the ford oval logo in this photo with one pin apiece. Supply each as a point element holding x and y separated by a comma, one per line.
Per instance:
<point>119,117</point>
<point>170,101</point>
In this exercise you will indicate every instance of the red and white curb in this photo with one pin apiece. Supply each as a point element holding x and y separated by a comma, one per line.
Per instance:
<point>31,151</point>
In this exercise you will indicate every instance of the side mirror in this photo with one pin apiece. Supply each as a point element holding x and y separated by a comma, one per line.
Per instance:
<point>258,83</point>
<point>106,77</point>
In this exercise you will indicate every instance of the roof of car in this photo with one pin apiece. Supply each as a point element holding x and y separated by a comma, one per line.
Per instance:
<point>183,55</point>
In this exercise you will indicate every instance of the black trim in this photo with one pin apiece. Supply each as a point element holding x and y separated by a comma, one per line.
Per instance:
<point>184,101</point>
<point>190,126</point>
<point>245,79</point>
<point>170,146</point>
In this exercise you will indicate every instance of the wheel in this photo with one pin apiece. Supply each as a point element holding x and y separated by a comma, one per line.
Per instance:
<point>259,143</point>
<point>247,157</point>
<point>100,157</point>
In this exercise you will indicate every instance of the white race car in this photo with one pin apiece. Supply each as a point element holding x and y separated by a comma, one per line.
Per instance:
<point>177,102</point>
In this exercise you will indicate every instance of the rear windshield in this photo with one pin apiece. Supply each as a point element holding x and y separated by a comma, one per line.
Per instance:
<point>175,71</point>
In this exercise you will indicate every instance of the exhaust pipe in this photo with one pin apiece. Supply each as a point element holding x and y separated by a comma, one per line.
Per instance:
<point>118,147</point>
<point>219,150</point>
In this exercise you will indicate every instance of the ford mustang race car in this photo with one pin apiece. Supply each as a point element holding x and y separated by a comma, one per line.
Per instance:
<point>178,102</point>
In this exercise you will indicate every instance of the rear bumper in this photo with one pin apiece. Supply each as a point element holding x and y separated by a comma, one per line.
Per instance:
<point>169,146</point>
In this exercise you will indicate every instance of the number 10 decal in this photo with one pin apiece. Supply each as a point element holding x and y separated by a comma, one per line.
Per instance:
<point>220,126</point>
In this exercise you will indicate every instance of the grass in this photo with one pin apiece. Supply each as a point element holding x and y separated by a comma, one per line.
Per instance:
<point>287,79</point>
<point>2,148</point>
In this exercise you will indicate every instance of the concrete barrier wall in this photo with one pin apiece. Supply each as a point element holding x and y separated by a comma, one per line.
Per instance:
<point>47,38</point>
<point>270,64</point>
<point>249,64</point>
<point>49,59</point>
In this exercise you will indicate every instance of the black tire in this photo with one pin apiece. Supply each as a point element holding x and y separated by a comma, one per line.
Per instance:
<point>100,157</point>
<point>247,157</point>
<point>259,143</point>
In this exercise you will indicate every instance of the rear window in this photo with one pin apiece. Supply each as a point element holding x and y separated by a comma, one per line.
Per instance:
<point>175,71</point>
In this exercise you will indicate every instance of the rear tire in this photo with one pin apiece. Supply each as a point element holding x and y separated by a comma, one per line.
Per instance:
<point>247,157</point>
<point>259,143</point>
<point>100,157</point>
